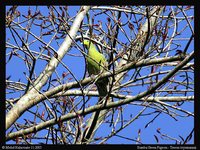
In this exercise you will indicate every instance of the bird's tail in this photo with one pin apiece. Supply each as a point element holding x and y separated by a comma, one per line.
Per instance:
<point>102,87</point>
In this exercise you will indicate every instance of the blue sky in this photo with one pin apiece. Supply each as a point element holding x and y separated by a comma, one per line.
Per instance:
<point>76,64</point>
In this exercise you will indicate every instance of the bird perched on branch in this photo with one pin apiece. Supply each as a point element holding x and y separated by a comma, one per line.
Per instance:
<point>96,63</point>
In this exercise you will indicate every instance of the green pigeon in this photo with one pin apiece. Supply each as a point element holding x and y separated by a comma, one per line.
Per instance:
<point>96,63</point>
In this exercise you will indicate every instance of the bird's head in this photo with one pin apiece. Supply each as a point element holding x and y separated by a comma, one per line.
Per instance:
<point>87,43</point>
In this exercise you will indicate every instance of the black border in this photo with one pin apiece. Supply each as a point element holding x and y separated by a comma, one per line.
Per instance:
<point>196,72</point>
